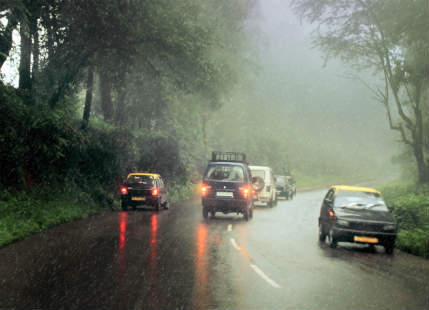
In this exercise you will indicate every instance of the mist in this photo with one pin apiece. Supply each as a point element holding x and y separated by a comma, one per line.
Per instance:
<point>312,117</point>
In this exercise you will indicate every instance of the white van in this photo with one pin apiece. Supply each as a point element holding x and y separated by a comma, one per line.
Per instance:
<point>268,194</point>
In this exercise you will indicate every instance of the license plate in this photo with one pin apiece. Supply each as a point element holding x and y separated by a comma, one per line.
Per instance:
<point>138,198</point>
<point>365,239</point>
<point>224,194</point>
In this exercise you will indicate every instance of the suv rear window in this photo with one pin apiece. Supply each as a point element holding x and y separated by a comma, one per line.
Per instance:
<point>225,173</point>
<point>143,181</point>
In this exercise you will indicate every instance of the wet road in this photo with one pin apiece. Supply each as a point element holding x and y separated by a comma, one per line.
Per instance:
<point>175,260</point>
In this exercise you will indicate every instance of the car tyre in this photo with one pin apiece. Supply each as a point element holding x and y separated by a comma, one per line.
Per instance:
<point>388,248</point>
<point>124,206</point>
<point>332,242</point>
<point>212,213</point>
<point>251,212</point>
<point>322,234</point>
<point>165,205</point>
<point>157,206</point>
<point>205,213</point>
<point>246,214</point>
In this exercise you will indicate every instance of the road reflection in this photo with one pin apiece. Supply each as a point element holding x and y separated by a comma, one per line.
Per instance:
<point>153,247</point>
<point>201,264</point>
<point>122,232</point>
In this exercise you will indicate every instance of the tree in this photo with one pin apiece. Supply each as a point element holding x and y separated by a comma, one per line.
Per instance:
<point>392,37</point>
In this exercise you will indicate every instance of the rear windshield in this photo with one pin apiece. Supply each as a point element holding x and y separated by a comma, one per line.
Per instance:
<point>279,180</point>
<point>258,173</point>
<point>360,200</point>
<point>225,173</point>
<point>144,181</point>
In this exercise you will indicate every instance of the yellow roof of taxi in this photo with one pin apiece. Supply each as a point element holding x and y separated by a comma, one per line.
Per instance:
<point>154,175</point>
<point>354,188</point>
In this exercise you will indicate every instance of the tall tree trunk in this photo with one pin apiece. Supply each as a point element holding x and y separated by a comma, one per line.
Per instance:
<point>422,166</point>
<point>106,97</point>
<point>6,39</point>
<point>25,60</point>
<point>120,105</point>
<point>88,97</point>
<point>36,51</point>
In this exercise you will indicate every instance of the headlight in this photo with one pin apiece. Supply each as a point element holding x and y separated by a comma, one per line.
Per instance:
<point>342,222</point>
<point>389,227</point>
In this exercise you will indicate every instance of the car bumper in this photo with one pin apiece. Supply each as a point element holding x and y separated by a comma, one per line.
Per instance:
<point>265,198</point>
<point>225,205</point>
<point>359,236</point>
<point>148,200</point>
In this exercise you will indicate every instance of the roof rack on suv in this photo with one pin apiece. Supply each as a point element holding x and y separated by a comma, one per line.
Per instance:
<point>229,156</point>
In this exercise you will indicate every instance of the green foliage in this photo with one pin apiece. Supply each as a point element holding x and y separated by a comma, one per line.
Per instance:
<point>411,212</point>
<point>415,241</point>
<point>180,190</point>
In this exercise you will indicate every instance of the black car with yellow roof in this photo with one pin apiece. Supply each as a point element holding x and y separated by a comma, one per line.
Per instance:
<point>356,214</point>
<point>142,188</point>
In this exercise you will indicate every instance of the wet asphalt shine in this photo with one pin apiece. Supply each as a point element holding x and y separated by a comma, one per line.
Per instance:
<point>175,260</point>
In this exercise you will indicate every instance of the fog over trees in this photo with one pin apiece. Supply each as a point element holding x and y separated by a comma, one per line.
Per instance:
<point>314,116</point>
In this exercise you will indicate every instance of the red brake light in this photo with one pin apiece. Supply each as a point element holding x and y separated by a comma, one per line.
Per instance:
<point>155,191</point>
<point>332,216</point>
<point>245,191</point>
<point>124,190</point>
<point>205,189</point>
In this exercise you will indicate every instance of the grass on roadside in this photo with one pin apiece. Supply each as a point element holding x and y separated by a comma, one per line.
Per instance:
<point>26,213</point>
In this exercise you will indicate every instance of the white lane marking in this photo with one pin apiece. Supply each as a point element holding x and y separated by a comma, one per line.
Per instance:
<point>229,227</point>
<point>256,268</point>
<point>234,244</point>
<point>264,276</point>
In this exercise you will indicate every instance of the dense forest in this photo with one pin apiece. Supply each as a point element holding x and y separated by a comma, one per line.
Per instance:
<point>107,87</point>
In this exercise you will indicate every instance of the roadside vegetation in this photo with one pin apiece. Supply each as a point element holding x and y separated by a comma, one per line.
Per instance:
<point>411,212</point>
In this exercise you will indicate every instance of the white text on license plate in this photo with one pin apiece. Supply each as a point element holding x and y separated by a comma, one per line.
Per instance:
<point>224,194</point>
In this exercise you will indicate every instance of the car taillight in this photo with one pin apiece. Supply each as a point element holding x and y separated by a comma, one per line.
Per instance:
<point>124,190</point>
<point>205,189</point>
<point>245,191</point>
<point>155,191</point>
<point>332,216</point>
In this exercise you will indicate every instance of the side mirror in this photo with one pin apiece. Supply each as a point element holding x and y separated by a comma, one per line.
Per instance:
<point>257,184</point>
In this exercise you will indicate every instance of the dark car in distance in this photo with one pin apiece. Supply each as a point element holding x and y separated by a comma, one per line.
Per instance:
<point>227,185</point>
<point>142,188</point>
<point>285,186</point>
<point>356,214</point>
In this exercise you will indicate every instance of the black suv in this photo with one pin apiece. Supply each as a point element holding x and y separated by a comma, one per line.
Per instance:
<point>227,185</point>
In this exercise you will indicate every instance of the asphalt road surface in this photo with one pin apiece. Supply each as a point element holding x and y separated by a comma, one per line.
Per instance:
<point>175,260</point>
